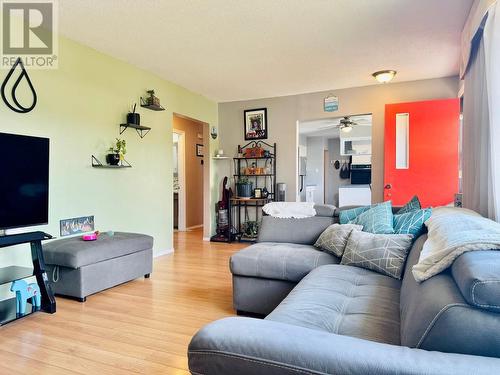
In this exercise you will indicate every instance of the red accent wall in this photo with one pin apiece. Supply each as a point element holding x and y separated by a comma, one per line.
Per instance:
<point>434,158</point>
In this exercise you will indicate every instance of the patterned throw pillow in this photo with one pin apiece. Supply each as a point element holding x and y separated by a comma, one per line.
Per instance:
<point>346,216</point>
<point>412,205</point>
<point>382,253</point>
<point>334,238</point>
<point>411,222</point>
<point>378,219</point>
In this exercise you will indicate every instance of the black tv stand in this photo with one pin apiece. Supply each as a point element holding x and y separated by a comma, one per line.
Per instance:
<point>12,273</point>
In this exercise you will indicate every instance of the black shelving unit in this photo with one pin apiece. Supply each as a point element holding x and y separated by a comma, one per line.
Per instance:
<point>9,274</point>
<point>141,130</point>
<point>8,312</point>
<point>239,207</point>
<point>96,163</point>
<point>13,273</point>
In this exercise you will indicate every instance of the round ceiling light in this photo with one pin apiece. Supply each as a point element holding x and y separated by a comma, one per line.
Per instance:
<point>384,76</point>
<point>346,129</point>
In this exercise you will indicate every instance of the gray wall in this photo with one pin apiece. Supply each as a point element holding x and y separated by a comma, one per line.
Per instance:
<point>315,166</point>
<point>284,112</point>
<point>333,180</point>
<point>303,143</point>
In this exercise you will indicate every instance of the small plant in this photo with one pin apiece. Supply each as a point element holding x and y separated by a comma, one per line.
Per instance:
<point>119,148</point>
<point>243,180</point>
<point>251,229</point>
<point>244,187</point>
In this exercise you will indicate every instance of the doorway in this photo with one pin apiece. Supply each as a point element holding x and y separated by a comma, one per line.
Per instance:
<point>334,157</point>
<point>179,169</point>
<point>190,174</point>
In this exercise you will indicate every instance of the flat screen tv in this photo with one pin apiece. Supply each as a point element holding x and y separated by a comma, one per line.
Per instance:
<point>24,186</point>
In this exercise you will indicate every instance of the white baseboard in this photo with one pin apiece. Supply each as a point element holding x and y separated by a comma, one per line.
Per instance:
<point>206,239</point>
<point>163,252</point>
<point>195,227</point>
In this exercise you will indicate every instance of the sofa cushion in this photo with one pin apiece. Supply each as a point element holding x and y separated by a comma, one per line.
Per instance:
<point>382,253</point>
<point>300,231</point>
<point>326,210</point>
<point>334,238</point>
<point>378,219</point>
<point>412,205</point>
<point>279,261</point>
<point>347,215</point>
<point>477,274</point>
<point>435,316</point>
<point>73,252</point>
<point>344,300</point>
<point>411,222</point>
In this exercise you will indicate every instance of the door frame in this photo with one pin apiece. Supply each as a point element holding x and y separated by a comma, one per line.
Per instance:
<point>207,222</point>
<point>181,172</point>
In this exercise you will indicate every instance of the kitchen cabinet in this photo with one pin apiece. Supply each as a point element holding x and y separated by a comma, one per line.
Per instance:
<point>356,146</point>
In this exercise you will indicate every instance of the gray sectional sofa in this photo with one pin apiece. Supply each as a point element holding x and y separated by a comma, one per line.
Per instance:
<point>325,318</point>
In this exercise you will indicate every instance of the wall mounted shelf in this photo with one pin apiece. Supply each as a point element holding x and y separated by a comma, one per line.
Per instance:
<point>152,107</point>
<point>97,164</point>
<point>141,130</point>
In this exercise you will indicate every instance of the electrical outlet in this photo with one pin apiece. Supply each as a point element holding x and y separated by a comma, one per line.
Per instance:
<point>458,200</point>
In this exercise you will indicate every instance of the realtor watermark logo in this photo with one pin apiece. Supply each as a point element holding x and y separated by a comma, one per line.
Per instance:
<point>29,31</point>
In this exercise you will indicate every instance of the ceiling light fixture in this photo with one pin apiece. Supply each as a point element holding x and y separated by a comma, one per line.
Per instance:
<point>346,129</point>
<point>384,76</point>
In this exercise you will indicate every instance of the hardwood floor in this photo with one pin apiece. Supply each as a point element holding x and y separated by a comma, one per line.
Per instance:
<point>143,326</point>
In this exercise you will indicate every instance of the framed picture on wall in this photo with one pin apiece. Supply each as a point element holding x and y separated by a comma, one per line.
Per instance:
<point>255,125</point>
<point>199,150</point>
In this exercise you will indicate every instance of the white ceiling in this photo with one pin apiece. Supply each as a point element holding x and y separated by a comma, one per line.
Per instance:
<point>239,49</point>
<point>328,127</point>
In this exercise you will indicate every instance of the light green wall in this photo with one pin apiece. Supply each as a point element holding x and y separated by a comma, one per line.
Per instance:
<point>80,107</point>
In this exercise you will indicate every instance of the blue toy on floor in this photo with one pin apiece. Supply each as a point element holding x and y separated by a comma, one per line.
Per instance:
<point>23,292</point>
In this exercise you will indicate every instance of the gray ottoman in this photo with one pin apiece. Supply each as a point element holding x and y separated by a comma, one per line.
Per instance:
<point>78,268</point>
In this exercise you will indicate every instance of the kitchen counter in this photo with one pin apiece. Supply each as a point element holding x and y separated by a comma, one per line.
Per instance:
<point>355,186</point>
<point>355,195</point>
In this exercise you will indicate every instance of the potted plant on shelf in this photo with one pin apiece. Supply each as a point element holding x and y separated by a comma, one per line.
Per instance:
<point>116,152</point>
<point>244,187</point>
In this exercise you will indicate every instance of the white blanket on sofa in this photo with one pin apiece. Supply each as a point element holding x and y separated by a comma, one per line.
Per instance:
<point>452,232</point>
<point>285,210</point>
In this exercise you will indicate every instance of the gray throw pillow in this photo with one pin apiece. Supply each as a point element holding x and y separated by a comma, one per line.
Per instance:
<point>334,238</point>
<point>382,253</point>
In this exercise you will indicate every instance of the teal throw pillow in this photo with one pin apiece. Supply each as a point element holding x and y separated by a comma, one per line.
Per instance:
<point>411,222</point>
<point>347,216</point>
<point>412,205</point>
<point>377,219</point>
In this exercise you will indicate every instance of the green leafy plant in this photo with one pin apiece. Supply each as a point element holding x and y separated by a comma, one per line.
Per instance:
<point>251,229</point>
<point>120,147</point>
<point>243,180</point>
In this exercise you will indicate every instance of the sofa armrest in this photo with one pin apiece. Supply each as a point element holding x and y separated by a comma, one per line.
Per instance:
<point>246,346</point>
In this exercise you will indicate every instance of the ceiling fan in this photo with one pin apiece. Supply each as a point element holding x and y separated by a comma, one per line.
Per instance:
<point>346,124</point>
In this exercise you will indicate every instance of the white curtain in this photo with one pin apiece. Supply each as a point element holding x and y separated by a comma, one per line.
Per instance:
<point>476,15</point>
<point>481,132</point>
